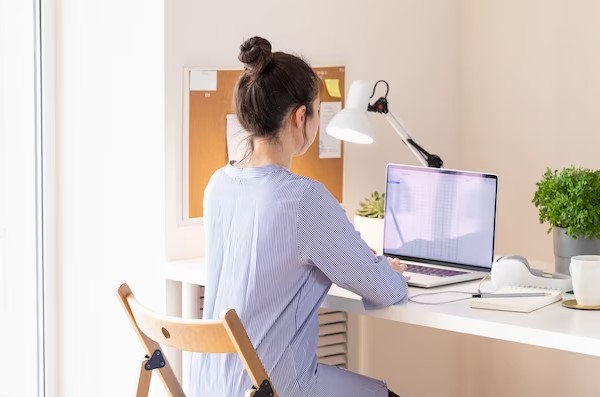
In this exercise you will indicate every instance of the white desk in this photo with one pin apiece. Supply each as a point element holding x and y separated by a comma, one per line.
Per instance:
<point>553,326</point>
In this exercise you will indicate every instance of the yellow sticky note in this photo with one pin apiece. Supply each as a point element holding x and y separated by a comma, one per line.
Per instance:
<point>333,87</point>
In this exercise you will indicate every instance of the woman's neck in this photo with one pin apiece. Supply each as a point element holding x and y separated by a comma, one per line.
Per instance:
<point>268,153</point>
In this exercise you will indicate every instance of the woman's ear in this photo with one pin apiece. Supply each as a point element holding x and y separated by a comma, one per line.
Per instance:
<point>298,116</point>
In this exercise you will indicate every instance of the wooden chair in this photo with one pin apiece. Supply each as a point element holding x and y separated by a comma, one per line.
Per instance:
<point>226,335</point>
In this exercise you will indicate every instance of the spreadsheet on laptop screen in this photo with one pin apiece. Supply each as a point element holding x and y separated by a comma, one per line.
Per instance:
<point>440,215</point>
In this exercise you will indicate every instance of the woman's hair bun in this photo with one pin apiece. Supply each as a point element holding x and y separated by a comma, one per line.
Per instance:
<point>256,54</point>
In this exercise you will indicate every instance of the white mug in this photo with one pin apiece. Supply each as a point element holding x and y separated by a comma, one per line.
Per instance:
<point>585,274</point>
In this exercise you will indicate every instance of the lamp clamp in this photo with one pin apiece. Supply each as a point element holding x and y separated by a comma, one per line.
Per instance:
<point>380,105</point>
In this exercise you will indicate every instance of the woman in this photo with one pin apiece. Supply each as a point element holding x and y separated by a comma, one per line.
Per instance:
<point>275,241</point>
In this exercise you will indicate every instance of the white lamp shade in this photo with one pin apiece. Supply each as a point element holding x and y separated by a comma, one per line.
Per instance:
<point>352,123</point>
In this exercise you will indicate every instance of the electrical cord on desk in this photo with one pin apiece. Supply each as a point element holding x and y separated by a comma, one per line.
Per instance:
<point>470,295</point>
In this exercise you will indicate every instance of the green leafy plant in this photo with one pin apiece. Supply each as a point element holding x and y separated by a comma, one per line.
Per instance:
<point>570,199</point>
<point>373,206</point>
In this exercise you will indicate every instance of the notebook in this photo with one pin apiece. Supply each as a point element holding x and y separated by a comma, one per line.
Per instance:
<point>440,222</point>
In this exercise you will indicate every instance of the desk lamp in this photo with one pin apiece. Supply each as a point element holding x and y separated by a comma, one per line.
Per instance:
<point>352,124</point>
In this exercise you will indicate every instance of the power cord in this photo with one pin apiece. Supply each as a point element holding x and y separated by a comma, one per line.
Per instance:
<point>470,295</point>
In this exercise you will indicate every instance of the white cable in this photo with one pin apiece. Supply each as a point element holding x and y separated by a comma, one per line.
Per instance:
<point>412,298</point>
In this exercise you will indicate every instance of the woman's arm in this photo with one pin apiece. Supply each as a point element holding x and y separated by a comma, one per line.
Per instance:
<point>328,240</point>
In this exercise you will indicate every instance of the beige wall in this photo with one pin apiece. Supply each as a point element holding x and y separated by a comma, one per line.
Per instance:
<point>428,363</point>
<point>530,89</point>
<point>502,86</point>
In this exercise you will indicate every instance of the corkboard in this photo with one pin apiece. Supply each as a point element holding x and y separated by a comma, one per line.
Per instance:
<point>207,141</point>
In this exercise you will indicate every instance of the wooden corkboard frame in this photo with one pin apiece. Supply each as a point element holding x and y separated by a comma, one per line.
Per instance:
<point>205,123</point>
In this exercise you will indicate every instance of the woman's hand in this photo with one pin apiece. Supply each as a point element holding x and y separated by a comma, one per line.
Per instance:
<point>397,265</point>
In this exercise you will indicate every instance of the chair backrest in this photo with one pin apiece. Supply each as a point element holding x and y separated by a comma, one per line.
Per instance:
<point>226,335</point>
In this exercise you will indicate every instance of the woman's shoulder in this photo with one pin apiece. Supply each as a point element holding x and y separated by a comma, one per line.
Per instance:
<point>218,174</point>
<point>304,184</point>
<point>315,192</point>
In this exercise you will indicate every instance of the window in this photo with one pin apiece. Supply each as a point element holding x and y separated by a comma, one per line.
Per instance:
<point>21,308</point>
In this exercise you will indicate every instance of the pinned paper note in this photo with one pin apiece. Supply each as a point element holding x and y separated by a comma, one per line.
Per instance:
<point>236,138</point>
<point>329,147</point>
<point>333,88</point>
<point>203,80</point>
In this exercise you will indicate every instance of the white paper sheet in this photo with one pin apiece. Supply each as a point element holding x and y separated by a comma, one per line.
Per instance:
<point>236,142</point>
<point>329,147</point>
<point>203,80</point>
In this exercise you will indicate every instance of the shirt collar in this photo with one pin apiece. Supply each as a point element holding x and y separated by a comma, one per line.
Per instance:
<point>252,172</point>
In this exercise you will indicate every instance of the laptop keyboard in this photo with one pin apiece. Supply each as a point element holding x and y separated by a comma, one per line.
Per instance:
<point>432,271</point>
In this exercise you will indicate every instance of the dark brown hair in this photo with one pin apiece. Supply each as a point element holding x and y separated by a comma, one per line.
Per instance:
<point>272,85</point>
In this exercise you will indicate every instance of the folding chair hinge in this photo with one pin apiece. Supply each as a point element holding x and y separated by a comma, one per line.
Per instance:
<point>265,389</point>
<point>156,361</point>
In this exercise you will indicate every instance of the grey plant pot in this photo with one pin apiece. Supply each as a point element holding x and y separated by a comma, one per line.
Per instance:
<point>566,246</point>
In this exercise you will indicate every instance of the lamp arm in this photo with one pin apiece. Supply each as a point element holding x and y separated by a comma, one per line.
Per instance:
<point>425,158</point>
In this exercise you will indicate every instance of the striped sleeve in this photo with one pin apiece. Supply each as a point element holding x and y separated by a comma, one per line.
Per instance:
<point>328,240</point>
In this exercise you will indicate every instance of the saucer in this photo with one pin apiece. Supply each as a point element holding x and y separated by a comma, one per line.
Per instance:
<point>572,304</point>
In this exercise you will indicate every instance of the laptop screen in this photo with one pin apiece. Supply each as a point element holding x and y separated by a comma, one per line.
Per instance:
<point>440,216</point>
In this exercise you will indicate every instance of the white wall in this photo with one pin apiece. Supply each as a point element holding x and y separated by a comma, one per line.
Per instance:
<point>110,149</point>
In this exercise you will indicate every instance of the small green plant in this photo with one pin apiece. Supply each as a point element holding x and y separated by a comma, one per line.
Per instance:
<point>570,199</point>
<point>373,206</point>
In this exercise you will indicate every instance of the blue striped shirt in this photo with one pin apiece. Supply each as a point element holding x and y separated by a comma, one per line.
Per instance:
<point>275,242</point>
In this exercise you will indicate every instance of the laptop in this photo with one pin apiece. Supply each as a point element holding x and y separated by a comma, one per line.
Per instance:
<point>440,222</point>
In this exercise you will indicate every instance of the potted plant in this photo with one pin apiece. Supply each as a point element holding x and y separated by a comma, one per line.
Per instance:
<point>569,201</point>
<point>368,220</point>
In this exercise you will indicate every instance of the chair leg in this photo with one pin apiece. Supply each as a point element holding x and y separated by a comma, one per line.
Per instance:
<point>144,381</point>
<point>170,381</point>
